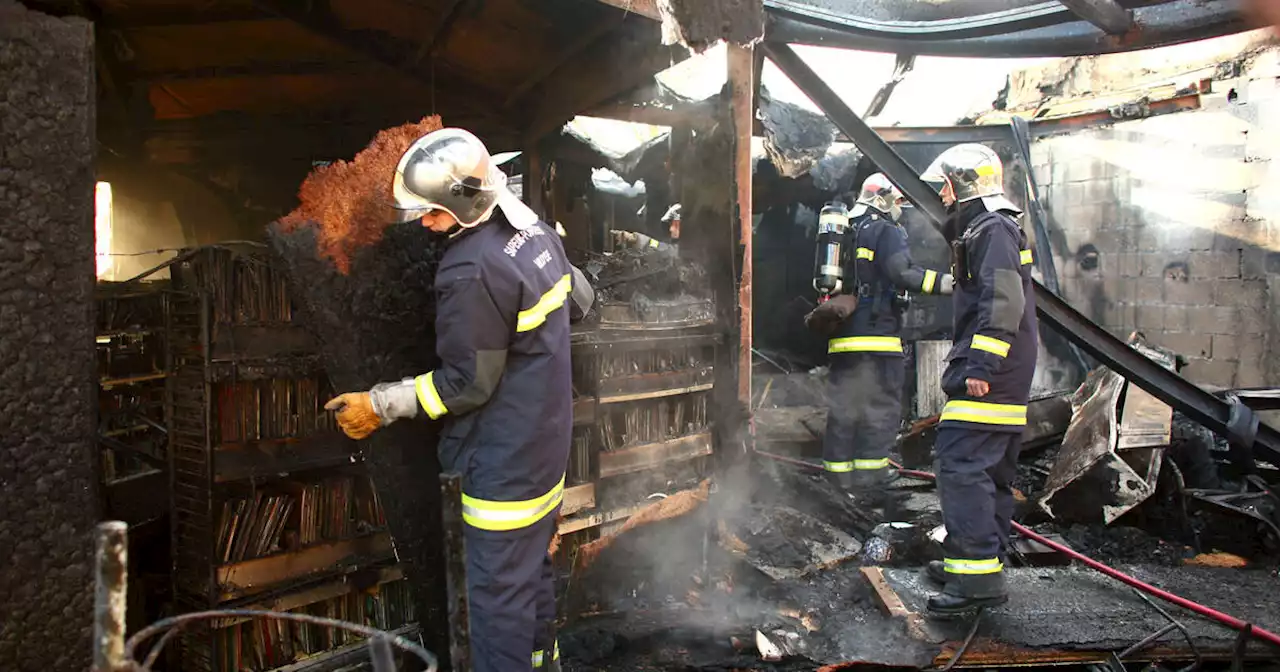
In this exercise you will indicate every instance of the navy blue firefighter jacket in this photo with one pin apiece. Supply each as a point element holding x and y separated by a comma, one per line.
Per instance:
<point>503,387</point>
<point>884,266</point>
<point>996,338</point>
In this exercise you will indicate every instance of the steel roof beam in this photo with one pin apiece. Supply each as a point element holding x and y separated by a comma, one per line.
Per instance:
<point>1105,14</point>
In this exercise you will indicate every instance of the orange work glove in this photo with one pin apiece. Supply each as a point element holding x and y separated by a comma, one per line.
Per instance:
<point>355,414</point>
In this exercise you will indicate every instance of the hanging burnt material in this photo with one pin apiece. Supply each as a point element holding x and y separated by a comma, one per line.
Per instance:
<point>794,138</point>
<point>365,290</point>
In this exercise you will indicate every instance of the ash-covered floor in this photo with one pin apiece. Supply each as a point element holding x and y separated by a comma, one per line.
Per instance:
<point>777,552</point>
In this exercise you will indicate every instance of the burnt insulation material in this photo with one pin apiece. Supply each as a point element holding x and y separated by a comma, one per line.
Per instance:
<point>374,324</point>
<point>48,498</point>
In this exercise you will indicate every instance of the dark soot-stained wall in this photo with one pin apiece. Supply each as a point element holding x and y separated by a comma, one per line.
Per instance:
<point>48,500</point>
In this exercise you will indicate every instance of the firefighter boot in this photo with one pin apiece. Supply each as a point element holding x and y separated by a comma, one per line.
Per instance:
<point>964,593</point>
<point>935,571</point>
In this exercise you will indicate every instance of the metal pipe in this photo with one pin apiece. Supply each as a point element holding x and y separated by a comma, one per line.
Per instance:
<point>380,654</point>
<point>111,557</point>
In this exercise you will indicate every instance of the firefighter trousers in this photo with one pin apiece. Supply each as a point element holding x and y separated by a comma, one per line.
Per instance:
<point>975,470</point>
<point>511,594</point>
<point>864,397</point>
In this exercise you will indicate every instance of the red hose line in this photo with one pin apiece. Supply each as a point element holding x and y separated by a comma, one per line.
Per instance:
<point>1225,619</point>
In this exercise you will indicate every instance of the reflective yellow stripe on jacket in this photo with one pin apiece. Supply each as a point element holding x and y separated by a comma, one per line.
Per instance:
<point>989,566</point>
<point>552,300</point>
<point>428,396</point>
<point>504,516</point>
<point>864,344</point>
<point>856,465</point>
<point>1025,257</point>
<point>983,413</point>
<point>930,277</point>
<point>994,346</point>
<point>866,253</point>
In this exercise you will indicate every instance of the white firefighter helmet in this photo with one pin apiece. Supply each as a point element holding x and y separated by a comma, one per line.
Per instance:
<point>451,170</point>
<point>974,171</point>
<point>879,194</point>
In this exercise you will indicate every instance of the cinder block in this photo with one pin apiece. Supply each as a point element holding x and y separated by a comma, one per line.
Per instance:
<point>1211,372</point>
<point>1151,291</point>
<point>1214,265</point>
<point>1253,361</point>
<point>1254,321</point>
<point>1192,346</point>
<point>1189,293</point>
<point>1148,238</point>
<point>1176,318</point>
<point>1075,194</point>
<point>1185,237</point>
<point>1203,320</point>
<point>1226,347</point>
<point>1250,294</point>
<point>1153,263</point>
<point>1130,264</point>
<point>1150,318</point>
<point>1253,263</point>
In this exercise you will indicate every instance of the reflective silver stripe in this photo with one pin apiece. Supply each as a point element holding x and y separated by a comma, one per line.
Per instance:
<point>989,566</point>
<point>930,277</point>
<point>553,299</point>
<point>984,413</point>
<point>864,344</point>
<point>871,465</point>
<point>504,516</point>
<point>837,467</point>
<point>994,346</point>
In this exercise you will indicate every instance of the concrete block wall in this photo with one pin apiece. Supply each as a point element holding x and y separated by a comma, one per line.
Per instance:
<point>1171,226</point>
<point>48,498</point>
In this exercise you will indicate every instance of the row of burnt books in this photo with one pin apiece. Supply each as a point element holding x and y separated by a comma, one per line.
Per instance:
<point>266,644</point>
<point>272,409</point>
<point>291,515</point>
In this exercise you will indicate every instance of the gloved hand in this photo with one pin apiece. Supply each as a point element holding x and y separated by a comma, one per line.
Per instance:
<point>825,318</point>
<point>947,285</point>
<point>624,239</point>
<point>356,416</point>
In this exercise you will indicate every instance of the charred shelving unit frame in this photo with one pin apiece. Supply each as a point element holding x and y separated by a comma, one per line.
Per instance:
<point>272,507</point>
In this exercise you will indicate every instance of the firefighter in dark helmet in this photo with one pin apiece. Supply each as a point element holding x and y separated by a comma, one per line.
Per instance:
<point>505,293</point>
<point>987,380</point>
<point>867,369</point>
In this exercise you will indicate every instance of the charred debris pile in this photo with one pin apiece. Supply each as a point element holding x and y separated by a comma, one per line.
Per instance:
<point>775,569</point>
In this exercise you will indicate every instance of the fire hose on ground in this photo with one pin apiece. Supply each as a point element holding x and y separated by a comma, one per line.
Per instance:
<point>1213,614</point>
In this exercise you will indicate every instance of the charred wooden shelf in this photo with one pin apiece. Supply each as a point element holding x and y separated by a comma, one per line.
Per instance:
<point>598,341</point>
<point>108,383</point>
<point>265,459</point>
<point>260,341</point>
<point>578,498</point>
<point>620,389</point>
<point>653,455</point>
<point>319,592</point>
<point>584,411</point>
<point>245,578</point>
<point>596,519</point>
<point>344,656</point>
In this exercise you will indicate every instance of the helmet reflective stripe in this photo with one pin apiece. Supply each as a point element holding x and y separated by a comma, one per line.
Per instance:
<point>973,171</point>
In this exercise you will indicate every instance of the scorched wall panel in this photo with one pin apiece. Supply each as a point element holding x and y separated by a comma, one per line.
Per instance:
<point>48,499</point>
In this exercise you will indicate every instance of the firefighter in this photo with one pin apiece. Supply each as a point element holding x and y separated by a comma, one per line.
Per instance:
<point>502,391</point>
<point>640,241</point>
<point>867,369</point>
<point>987,380</point>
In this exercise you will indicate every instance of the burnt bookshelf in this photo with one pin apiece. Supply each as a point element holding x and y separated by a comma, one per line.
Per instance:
<point>272,505</point>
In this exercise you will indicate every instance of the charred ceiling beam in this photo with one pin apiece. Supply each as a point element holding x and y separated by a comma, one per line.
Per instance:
<point>452,11</point>
<point>575,48</point>
<point>184,15</point>
<point>260,70</point>
<point>1105,14</point>
<point>318,20</point>
<point>607,69</point>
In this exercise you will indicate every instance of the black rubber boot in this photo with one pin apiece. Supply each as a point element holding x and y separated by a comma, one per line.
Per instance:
<point>936,572</point>
<point>964,593</point>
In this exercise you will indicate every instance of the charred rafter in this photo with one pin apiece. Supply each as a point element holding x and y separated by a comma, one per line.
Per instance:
<point>452,12</point>
<point>584,40</point>
<point>385,50</point>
